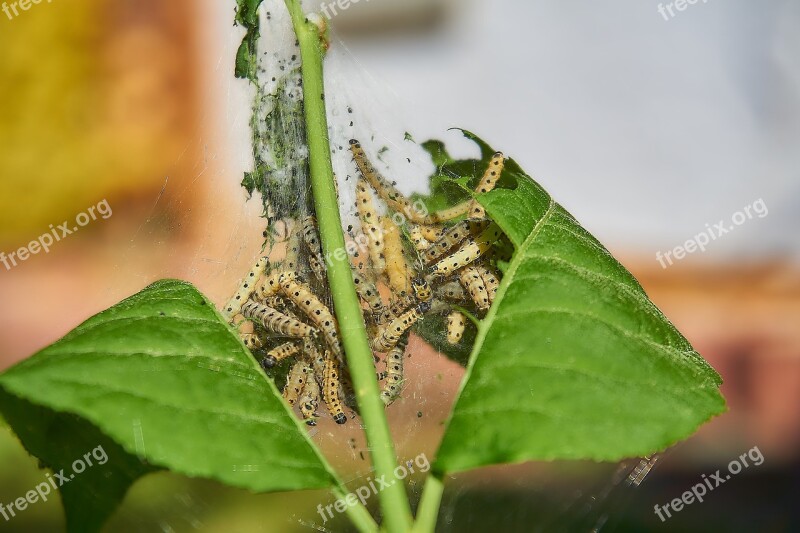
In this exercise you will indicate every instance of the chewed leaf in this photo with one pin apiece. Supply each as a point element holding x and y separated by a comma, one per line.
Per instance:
<point>573,360</point>
<point>160,381</point>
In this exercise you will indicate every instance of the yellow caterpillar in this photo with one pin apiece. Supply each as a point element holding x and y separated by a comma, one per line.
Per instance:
<point>276,321</point>
<point>471,279</point>
<point>296,381</point>
<point>487,183</point>
<point>331,392</point>
<point>394,372</point>
<point>388,335</point>
<point>251,341</point>
<point>314,309</point>
<point>245,290</point>
<point>469,252</point>
<point>453,236</point>
<point>367,291</point>
<point>371,226</point>
<point>309,400</point>
<point>396,266</point>
<point>455,327</point>
<point>387,192</point>
<point>280,353</point>
<point>422,290</point>
<point>490,279</point>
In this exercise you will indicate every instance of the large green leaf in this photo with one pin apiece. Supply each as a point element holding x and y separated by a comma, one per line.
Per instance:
<point>158,381</point>
<point>573,360</point>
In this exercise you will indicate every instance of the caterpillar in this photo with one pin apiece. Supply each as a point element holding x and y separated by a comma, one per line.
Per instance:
<point>367,291</point>
<point>455,327</point>
<point>490,279</point>
<point>422,289</point>
<point>331,391</point>
<point>269,287</point>
<point>387,335</point>
<point>394,372</point>
<point>276,321</point>
<point>453,236</point>
<point>314,309</point>
<point>311,238</point>
<point>451,291</point>
<point>473,207</point>
<point>315,355</point>
<point>470,252</point>
<point>279,353</point>
<point>417,239</point>
<point>371,225</point>
<point>431,233</point>
<point>309,400</point>
<point>386,191</point>
<point>396,266</point>
<point>292,260</point>
<point>245,290</point>
<point>396,307</point>
<point>472,280</point>
<point>295,382</point>
<point>487,183</point>
<point>251,341</point>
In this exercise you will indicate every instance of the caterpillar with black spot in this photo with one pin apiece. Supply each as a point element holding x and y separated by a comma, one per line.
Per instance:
<point>331,392</point>
<point>314,309</point>
<point>422,289</point>
<point>309,400</point>
<point>396,266</point>
<point>456,322</point>
<point>276,321</point>
<point>280,353</point>
<point>490,279</point>
<point>469,252</point>
<point>394,372</point>
<point>245,290</point>
<point>368,292</point>
<point>251,341</point>
<point>487,183</point>
<point>387,335</point>
<point>472,280</point>
<point>371,226</point>
<point>454,236</point>
<point>296,381</point>
<point>312,241</point>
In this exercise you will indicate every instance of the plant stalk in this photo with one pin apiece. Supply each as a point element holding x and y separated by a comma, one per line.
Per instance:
<point>393,500</point>
<point>428,510</point>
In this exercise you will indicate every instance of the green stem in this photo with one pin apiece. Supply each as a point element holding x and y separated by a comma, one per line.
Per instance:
<point>393,499</point>
<point>428,510</point>
<point>358,514</point>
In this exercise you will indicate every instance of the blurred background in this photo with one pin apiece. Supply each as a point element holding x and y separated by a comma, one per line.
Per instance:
<point>648,125</point>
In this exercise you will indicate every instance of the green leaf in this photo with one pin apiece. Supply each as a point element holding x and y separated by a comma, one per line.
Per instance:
<point>573,360</point>
<point>159,381</point>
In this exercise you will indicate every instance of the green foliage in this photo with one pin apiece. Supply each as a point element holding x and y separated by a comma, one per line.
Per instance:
<point>160,381</point>
<point>573,361</point>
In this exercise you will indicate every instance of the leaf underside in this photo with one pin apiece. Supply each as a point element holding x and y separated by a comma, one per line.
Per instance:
<point>573,361</point>
<point>160,381</point>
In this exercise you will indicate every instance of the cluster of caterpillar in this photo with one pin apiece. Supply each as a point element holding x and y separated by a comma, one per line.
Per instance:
<point>431,263</point>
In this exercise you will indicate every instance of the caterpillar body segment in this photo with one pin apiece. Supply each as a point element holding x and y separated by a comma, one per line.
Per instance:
<point>311,238</point>
<point>397,269</point>
<point>309,400</point>
<point>386,191</point>
<point>388,335</point>
<point>368,292</point>
<point>269,287</point>
<point>251,341</point>
<point>454,236</point>
<point>469,252</point>
<point>314,309</point>
<point>296,381</point>
<point>422,289</point>
<point>451,291</point>
<point>331,391</point>
<point>316,356</point>
<point>394,372</point>
<point>396,307</point>
<point>472,280</point>
<point>456,322</point>
<point>370,225</point>
<point>292,260</point>
<point>417,239</point>
<point>490,279</point>
<point>487,183</point>
<point>279,353</point>
<point>448,214</point>
<point>276,321</point>
<point>245,290</point>
<point>431,233</point>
